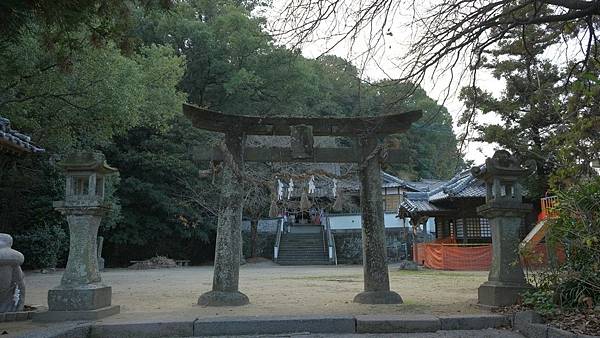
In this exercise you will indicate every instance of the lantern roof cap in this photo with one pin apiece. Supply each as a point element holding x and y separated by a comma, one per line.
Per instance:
<point>86,161</point>
<point>502,164</point>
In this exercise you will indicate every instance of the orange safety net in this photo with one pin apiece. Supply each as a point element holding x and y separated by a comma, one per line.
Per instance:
<point>441,256</point>
<point>454,256</point>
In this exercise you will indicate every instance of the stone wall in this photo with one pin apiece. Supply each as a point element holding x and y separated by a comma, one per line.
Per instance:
<point>348,245</point>
<point>267,225</point>
<point>264,244</point>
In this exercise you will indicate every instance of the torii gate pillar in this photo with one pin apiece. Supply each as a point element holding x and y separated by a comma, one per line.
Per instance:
<point>228,246</point>
<point>375,270</point>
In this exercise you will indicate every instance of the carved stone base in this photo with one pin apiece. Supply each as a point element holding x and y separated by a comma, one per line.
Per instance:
<point>378,297</point>
<point>62,316</point>
<point>500,294</point>
<point>221,298</point>
<point>90,297</point>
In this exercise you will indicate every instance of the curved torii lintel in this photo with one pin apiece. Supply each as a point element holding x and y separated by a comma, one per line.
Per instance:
<point>280,125</point>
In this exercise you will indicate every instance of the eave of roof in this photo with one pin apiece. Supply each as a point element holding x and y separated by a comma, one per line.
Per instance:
<point>13,141</point>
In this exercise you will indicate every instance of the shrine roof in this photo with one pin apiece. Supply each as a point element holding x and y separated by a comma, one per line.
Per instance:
<point>462,185</point>
<point>418,203</point>
<point>13,141</point>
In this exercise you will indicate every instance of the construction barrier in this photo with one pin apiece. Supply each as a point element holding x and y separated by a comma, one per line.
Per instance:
<point>454,256</point>
<point>448,256</point>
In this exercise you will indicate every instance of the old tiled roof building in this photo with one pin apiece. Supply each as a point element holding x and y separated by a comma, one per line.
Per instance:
<point>13,142</point>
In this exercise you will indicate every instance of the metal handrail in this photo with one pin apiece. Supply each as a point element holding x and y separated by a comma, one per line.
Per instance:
<point>278,240</point>
<point>331,252</point>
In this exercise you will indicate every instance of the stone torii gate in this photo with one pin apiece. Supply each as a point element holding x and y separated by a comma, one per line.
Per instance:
<point>367,152</point>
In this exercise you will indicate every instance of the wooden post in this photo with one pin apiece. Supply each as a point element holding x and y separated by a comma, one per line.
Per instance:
<point>229,236</point>
<point>376,277</point>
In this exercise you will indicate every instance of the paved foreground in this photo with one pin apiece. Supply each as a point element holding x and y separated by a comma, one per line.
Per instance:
<point>487,333</point>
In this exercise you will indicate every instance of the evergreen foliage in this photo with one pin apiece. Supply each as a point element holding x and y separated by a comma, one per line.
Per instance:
<point>118,87</point>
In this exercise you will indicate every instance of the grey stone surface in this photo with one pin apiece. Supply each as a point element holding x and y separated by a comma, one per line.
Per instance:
<point>90,297</point>
<point>473,322</point>
<point>228,246</point>
<point>64,330</point>
<point>554,332</point>
<point>83,315</point>
<point>496,293</point>
<point>273,325</point>
<point>375,270</point>
<point>348,244</point>
<point>526,317</point>
<point>408,265</point>
<point>534,330</point>
<point>223,298</point>
<point>397,324</point>
<point>144,329</point>
<point>378,297</point>
<point>82,264</point>
<point>100,259</point>
<point>12,284</point>
<point>488,333</point>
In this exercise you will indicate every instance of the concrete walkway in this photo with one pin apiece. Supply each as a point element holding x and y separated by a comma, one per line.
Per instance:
<point>487,333</point>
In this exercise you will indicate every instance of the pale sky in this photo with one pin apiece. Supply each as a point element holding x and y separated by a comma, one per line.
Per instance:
<point>382,64</point>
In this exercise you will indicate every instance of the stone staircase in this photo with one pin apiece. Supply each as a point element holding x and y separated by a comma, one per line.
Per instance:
<point>302,249</point>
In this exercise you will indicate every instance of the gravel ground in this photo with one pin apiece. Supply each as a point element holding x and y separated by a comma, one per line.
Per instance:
<point>164,294</point>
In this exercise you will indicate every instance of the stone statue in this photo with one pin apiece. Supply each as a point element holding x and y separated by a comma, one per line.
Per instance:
<point>12,285</point>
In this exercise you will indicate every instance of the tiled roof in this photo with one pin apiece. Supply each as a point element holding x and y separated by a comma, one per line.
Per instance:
<point>463,185</point>
<point>391,181</point>
<point>12,140</point>
<point>418,202</point>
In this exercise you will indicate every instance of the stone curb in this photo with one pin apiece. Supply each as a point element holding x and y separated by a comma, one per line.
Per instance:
<point>144,329</point>
<point>397,324</point>
<point>263,325</point>
<point>531,325</point>
<point>68,330</point>
<point>273,325</point>
<point>16,316</point>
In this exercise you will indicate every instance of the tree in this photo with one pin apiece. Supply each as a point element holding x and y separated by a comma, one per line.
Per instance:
<point>445,32</point>
<point>539,110</point>
<point>74,103</point>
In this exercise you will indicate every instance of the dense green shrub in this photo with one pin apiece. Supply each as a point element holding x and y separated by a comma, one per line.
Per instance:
<point>43,246</point>
<point>577,228</point>
<point>576,282</point>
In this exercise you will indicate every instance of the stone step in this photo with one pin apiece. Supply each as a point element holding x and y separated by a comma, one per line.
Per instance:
<point>298,256</point>
<point>301,255</point>
<point>303,262</point>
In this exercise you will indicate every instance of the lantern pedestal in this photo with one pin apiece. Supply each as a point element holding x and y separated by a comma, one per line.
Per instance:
<point>81,294</point>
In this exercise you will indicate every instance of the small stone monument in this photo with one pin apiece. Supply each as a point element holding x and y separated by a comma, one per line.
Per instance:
<point>12,286</point>
<point>81,294</point>
<point>504,210</point>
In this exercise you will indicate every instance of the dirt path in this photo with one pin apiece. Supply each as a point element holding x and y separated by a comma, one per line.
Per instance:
<point>273,290</point>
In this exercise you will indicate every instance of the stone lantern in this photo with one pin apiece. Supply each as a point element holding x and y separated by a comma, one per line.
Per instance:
<point>505,211</point>
<point>12,286</point>
<point>81,294</point>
